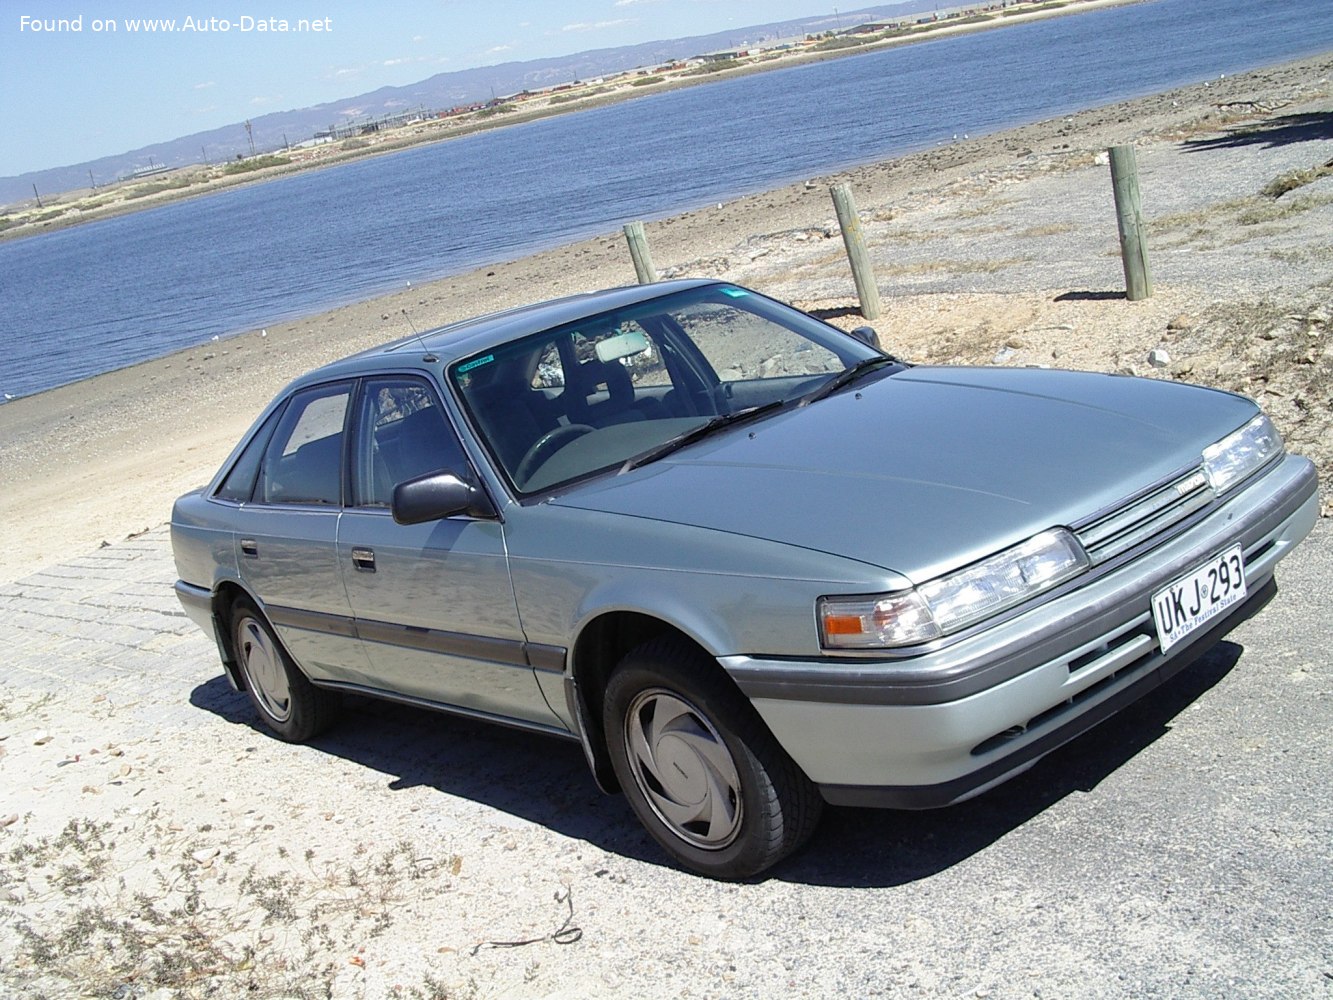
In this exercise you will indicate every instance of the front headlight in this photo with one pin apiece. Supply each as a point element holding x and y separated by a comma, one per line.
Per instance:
<point>954,601</point>
<point>1241,453</point>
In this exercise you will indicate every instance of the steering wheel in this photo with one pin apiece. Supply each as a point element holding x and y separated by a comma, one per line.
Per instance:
<point>546,446</point>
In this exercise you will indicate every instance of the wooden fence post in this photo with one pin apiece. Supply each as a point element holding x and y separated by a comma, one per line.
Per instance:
<point>1129,220</point>
<point>862,272</point>
<point>639,251</point>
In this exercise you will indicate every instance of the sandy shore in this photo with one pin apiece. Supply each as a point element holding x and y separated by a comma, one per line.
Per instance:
<point>103,459</point>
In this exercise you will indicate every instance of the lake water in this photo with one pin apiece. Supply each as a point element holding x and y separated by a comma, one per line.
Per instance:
<point>89,299</point>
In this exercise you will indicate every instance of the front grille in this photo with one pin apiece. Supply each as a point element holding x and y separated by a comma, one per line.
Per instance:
<point>1144,519</point>
<point>1120,658</point>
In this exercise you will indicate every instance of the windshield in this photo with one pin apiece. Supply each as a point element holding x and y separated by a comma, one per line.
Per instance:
<point>624,387</point>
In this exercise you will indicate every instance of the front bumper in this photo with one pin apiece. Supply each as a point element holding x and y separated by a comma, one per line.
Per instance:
<point>938,728</point>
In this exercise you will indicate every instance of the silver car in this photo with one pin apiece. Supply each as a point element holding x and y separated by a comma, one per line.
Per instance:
<point>750,562</point>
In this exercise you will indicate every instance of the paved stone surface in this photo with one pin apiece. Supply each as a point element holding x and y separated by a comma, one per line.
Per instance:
<point>109,620</point>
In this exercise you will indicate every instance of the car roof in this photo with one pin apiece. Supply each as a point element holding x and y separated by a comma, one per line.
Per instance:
<point>447,344</point>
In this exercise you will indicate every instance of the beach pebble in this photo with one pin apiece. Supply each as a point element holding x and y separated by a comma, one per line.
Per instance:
<point>1158,358</point>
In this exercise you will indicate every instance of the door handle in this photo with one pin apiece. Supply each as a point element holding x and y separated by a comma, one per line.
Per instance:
<point>364,560</point>
<point>249,547</point>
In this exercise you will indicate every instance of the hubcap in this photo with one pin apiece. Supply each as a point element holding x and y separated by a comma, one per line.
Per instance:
<point>264,671</point>
<point>684,769</point>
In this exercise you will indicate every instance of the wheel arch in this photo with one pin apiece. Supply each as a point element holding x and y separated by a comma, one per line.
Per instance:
<point>601,644</point>
<point>225,595</point>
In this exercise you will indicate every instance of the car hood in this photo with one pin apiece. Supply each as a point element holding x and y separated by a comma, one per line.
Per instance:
<point>930,468</point>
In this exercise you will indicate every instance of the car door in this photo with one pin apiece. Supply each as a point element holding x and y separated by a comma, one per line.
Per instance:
<point>288,532</point>
<point>433,602</point>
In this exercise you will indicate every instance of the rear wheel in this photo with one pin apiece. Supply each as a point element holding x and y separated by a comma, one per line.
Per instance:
<point>699,767</point>
<point>283,696</point>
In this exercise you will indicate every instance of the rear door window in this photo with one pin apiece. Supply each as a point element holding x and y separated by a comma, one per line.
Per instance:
<point>304,460</point>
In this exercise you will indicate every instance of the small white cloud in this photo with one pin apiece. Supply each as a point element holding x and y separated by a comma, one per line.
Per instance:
<point>206,85</point>
<point>597,25</point>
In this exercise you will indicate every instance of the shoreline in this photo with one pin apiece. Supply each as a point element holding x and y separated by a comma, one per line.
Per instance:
<point>393,141</point>
<point>102,459</point>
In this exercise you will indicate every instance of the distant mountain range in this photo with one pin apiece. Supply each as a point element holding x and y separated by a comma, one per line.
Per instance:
<point>439,92</point>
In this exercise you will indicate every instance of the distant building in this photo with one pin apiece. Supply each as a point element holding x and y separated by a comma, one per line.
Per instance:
<point>140,172</point>
<point>369,126</point>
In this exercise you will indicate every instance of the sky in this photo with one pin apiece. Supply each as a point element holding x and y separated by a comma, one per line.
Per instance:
<point>81,80</point>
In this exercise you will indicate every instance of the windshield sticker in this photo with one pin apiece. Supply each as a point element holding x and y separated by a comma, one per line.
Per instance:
<point>735,293</point>
<point>464,368</point>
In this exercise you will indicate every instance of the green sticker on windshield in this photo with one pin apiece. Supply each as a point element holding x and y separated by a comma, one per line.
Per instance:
<point>735,293</point>
<point>468,366</point>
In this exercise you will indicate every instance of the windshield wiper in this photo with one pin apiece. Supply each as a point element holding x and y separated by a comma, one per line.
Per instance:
<point>698,432</point>
<point>845,378</point>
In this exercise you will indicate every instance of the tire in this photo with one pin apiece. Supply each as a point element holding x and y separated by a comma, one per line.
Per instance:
<point>699,767</point>
<point>283,696</point>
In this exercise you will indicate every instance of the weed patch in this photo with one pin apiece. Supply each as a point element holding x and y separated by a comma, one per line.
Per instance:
<point>85,915</point>
<point>1295,179</point>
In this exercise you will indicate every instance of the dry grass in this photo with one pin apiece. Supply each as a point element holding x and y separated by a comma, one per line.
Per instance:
<point>1232,222</point>
<point>951,266</point>
<point>1296,179</point>
<point>1276,354</point>
<point>980,208</point>
<point>90,916</point>
<point>903,235</point>
<point>1050,229</point>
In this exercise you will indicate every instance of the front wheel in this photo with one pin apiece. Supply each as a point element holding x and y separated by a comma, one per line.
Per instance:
<point>700,769</point>
<point>283,696</point>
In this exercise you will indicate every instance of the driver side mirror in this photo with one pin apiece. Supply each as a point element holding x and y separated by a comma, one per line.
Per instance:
<point>438,495</point>
<point>867,336</point>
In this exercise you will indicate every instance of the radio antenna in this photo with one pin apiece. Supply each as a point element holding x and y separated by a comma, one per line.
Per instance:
<point>430,358</point>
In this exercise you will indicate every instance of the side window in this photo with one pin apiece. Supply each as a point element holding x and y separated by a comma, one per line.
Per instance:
<point>550,373</point>
<point>239,486</point>
<point>303,461</point>
<point>401,433</point>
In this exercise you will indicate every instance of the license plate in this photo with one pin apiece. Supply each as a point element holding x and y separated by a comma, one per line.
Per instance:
<point>1199,597</point>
